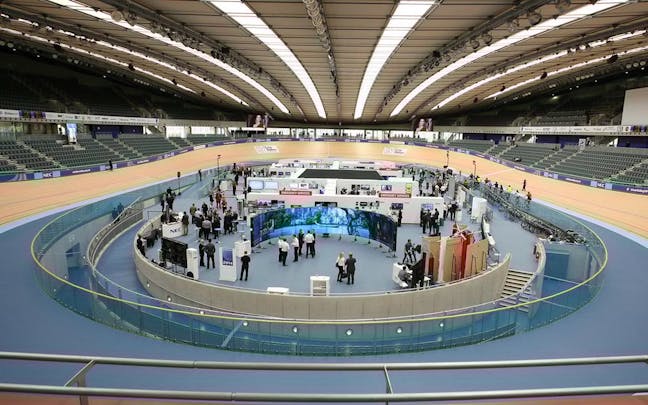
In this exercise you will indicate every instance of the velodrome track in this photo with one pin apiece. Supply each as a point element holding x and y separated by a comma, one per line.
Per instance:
<point>22,199</point>
<point>614,323</point>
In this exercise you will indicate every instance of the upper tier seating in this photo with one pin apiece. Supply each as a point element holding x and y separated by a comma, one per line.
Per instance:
<point>636,175</point>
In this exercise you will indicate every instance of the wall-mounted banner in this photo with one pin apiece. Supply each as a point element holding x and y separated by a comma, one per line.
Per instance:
<point>394,151</point>
<point>261,149</point>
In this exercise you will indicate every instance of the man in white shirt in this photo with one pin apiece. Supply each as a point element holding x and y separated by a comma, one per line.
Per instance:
<point>283,247</point>
<point>309,239</point>
<point>295,246</point>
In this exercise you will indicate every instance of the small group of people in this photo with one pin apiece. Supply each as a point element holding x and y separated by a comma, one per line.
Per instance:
<point>297,243</point>
<point>346,268</point>
<point>430,221</point>
<point>206,248</point>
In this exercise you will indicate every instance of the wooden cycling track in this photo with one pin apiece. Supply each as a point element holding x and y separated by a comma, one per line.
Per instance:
<point>26,198</point>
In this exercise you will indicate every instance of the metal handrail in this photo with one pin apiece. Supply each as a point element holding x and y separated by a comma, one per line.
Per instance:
<point>89,362</point>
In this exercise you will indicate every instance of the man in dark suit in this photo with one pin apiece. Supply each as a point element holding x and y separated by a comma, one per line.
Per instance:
<point>245,265</point>
<point>210,249</point>
<point>350,268</point>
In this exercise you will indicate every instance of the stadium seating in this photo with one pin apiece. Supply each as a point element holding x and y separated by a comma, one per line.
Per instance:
<point>22,155</point>
<point>147,145</point>
<point>473,144</point>
<point>600,163</point>
<point>529,153</point>
<point>125,152</point>
<point>204,139</point>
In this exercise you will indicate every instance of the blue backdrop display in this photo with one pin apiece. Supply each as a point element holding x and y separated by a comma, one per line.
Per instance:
<point>332,220</point>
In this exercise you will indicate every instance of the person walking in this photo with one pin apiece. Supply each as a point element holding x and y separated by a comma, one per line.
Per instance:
<point>409,252</point>
<point>210,249</point>
<point>245,265</point>
<point>524,185</point>
<point>295,246</point>
<point>199,175</point>
<point>350,264</point>
<point>339,263</point>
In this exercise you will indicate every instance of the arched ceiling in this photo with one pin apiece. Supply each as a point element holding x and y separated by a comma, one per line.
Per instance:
<point>308,60</point>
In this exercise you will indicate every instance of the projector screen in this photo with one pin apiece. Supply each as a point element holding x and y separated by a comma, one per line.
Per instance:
<point>324,219</point>
<point>635,106</point>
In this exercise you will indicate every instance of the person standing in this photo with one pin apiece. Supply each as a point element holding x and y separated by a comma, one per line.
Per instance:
<point>233,188</point>
<point>245,265</point>
<point>206,227</point>
<point>308,240</point>
<point>339,263</point>
<point>300,236</point>
<point>524,185</point>
<point>110,163</point>
<point>313,243</point>
<point>185,223</point>
<point>409,252</point>
<point>141,245</point>
<point>210,249</point>
<point>199,175</point>
<point>201,252</point>
<point>400,217</point>
<point>192,210</point>
<point>283,251</point>
<point>350,264</point>
<point>295,246</point>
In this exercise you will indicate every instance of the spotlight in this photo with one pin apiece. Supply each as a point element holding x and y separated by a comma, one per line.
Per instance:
<point>613,58</point>
<point>487,38</point>
<point>131,67</point>
<point>503,88</point>
<point>202,94</point>
<point>543,76</point>
<point>174,81</point>
<point>534,17</point>
<point>475,100</point>
<point>513,25</point>
<point>474,43</point>
<point>436,54</point>
<point>117,16</point>
<point>213,53</point>
<point>58,48</point>
<point>562,5</point>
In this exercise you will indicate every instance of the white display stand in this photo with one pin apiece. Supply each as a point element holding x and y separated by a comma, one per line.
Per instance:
<point>278,290</point>
<point>320,285</point>
<point>227,271</point>
<point>242,246</point>
<point>192,264</point>
<point>478,208</point>
<point>172,230</point>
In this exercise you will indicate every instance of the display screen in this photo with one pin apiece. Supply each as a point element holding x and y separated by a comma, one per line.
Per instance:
<point>325,204</point>
<point>386,187</point>
<point>331,220</point>
<point>271,185</point>
<point>174,251</point>
<point>397,206</point>
<point>256,184</point>
<point>427,207</point>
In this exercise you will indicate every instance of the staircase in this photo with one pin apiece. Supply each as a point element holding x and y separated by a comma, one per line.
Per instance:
<point>517,289</point>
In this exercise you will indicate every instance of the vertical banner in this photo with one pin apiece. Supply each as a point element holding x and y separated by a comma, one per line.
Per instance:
<point>226,265</point>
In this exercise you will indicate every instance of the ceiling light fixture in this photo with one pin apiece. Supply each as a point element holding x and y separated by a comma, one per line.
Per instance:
<point>82,8</point>
<point>601,59</point>
<point>97,56</point>
<point>534,17</point>
<point>526,65</point>
<point>407,14</point>
<point>547,25</point>
<point>243,15</point>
